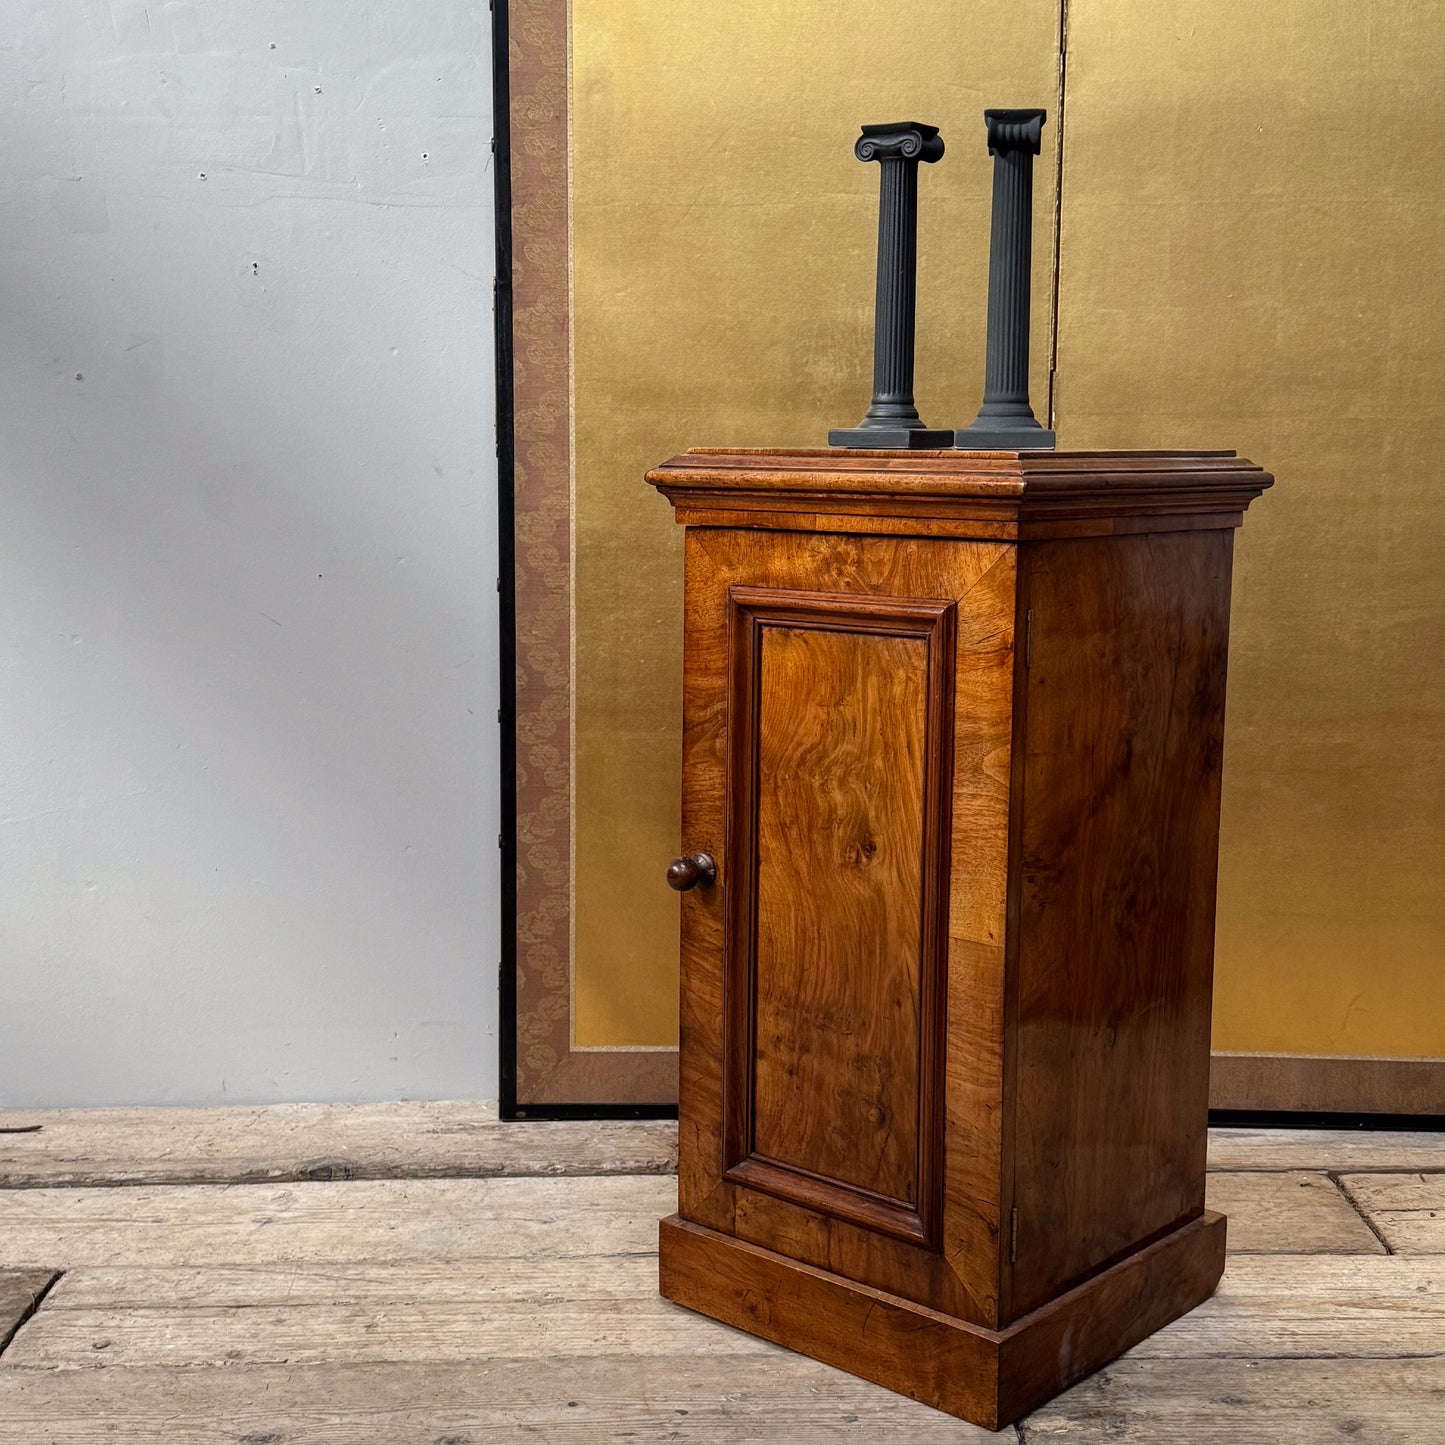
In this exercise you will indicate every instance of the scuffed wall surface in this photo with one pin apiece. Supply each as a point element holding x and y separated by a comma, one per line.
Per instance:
<point>248,806</point>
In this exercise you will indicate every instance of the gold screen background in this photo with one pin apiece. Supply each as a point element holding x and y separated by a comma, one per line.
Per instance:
<point>1250,251</point>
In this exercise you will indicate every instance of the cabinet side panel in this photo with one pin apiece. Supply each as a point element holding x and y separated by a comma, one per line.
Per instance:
<point>1116,877</point>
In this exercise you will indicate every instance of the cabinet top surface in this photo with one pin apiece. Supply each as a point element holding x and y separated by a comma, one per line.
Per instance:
<point>1011,489</point>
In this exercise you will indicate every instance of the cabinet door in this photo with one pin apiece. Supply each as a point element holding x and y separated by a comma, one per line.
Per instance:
<point>846,763</point>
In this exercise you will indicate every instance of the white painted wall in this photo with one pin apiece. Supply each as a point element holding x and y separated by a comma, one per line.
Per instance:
<point>248,633</point>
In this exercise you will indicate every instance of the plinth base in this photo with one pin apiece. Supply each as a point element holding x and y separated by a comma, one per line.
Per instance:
<point>986,437</point>
<point>988,1377</point>
<point>891,438</point>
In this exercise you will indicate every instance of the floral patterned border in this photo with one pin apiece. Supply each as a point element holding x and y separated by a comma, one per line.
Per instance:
<point>548,1069</point>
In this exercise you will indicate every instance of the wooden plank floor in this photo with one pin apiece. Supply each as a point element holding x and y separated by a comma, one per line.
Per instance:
<point>426,1275</point>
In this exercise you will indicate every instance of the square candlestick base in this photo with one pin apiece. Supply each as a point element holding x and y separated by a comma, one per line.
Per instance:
<point>984,438</point>
<point>887,438</point>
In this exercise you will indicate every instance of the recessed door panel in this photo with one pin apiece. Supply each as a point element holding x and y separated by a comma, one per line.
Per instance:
<point>839,860</point>
<point>839,716</point>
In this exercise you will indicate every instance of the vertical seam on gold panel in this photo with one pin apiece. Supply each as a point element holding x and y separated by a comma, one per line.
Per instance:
<point>1058,205</point>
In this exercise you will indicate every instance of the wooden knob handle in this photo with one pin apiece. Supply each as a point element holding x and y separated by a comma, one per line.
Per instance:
<point>685,873</point>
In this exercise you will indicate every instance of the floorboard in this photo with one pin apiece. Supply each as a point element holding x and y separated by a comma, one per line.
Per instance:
<point>280,1142</point>
<point>1289,1213</point>
<point>1295,1306</point>
<point>1408,1210</point>
<point>775,1397</point>
<point>421,1332</point>
<point>356,1282</point>
<point>430,1220</point>
<point>1250,1402</point>
<point>1268,1306</point>
<point>410,1220</point>
<point>20,1291</point>
<point>1353,1150</point>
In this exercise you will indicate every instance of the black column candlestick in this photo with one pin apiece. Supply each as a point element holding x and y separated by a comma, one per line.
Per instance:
<point>893,420</point>
<point>1006,421</point>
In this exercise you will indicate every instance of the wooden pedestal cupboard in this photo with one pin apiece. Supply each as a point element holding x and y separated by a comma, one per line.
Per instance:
<point>951,767</point>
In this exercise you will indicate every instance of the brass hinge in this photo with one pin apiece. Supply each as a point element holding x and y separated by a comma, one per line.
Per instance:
<point>1029,638</point>
<point>1013,1235</point>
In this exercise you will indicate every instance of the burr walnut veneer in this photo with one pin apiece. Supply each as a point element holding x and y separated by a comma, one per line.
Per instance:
<point>951,777</point>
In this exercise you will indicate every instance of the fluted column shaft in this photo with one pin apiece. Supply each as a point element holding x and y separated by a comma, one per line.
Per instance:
<point>1006,420</point>
<point>1010,253</point>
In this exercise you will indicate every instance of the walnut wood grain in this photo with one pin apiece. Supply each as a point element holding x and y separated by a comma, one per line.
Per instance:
<point>998,495</point>
<point>874,572</point>
<point>990,1377</point>
<point>953,730</point>
<point>836,969</point>
<point>1118,836</point>
<point>838,837</point>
